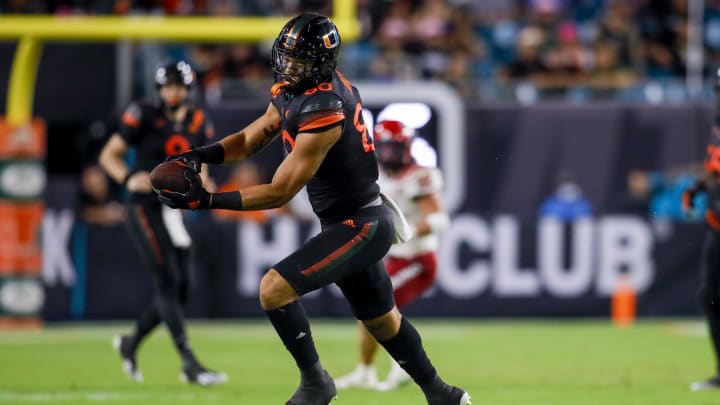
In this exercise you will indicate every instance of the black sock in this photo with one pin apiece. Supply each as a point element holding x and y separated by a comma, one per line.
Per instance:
<point>149,319</point>
<point>406,348</point>
<point>713,318</point>
<point>291,324</point>
<point>171,313</point>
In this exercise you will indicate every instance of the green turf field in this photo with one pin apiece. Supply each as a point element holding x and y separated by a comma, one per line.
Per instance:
<point>518,362</point>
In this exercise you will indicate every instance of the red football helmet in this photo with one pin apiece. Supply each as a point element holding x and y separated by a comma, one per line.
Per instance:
<point>392,144</point>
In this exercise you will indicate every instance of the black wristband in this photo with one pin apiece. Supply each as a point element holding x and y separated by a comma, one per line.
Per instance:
<point>228,201</point>
<point>213,153</point>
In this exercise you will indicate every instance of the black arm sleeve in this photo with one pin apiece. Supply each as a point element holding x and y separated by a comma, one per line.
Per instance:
<point>229,201</point>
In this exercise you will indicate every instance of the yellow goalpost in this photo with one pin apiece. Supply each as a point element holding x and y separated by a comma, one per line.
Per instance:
<point>33,31</point>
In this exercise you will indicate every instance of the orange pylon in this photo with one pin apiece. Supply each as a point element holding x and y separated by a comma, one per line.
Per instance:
<point>624,303</point>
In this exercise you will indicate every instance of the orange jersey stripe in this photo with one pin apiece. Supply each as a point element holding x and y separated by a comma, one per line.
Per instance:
<point>197,120</point>
<point>326,120</point>
<point>338,252</point>
<point>344,81</point>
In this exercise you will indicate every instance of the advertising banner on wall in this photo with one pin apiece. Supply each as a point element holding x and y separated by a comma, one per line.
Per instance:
<point>546,219</point>
<point>22,182</point>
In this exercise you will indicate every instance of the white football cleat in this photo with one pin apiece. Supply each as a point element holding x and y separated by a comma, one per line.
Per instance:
<point>362,377</point>
<point>396,378</point>
<point>121,344</point>
<point>201,376</point>
<point>709,384</point>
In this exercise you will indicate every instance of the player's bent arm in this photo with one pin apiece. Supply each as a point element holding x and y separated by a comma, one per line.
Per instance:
<point>252,138</point>
<point>434,218</point>
<point>112,158</point>
<point>292,174</point>
<point>238,146</point>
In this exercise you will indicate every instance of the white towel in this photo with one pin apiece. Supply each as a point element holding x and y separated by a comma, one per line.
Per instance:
<point>403,231</point>
<point>173,221</point>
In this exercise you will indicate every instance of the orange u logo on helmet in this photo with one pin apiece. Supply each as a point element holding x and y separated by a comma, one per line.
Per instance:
<point>331,39</point>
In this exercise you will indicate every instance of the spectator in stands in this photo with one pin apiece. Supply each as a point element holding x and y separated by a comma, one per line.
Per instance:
<point>529,63</point>
<point>430,37</point>
<point>596,45</point>
<point>567,203</point>
<point>617,27</point>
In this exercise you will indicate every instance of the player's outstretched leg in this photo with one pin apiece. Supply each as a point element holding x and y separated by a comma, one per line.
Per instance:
<point>291,324</point>
<point>123,345</point>
<point>406,348</point>
<point>287,315</point>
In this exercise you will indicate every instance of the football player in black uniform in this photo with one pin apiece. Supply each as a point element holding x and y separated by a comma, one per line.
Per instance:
<point>318,115</point>
<point>710,282</point>
<point>155,130</point>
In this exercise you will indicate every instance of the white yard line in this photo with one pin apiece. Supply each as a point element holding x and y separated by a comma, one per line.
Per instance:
<point>691,329</point>
<point>92,396</point>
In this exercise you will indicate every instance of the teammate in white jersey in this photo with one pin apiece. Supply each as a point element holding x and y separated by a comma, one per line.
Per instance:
<point>412,266</point>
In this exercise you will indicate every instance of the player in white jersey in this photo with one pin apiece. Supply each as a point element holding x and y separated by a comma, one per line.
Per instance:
<point>412,266</point>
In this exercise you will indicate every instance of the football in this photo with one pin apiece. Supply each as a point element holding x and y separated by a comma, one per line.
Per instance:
<point>172,176</point>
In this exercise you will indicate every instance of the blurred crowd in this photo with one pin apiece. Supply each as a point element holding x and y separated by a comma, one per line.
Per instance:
<point>554,45</point>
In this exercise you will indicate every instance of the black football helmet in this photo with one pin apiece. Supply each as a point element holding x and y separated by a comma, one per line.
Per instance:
<point>305,53</point>
<point>174,73</point>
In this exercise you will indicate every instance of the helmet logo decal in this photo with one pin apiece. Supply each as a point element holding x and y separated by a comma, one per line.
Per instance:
<point>331,39</point>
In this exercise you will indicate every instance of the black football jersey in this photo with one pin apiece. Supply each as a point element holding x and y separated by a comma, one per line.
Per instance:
<point>146,127</point>
<point>712,167</point>
<point>347,177</point>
